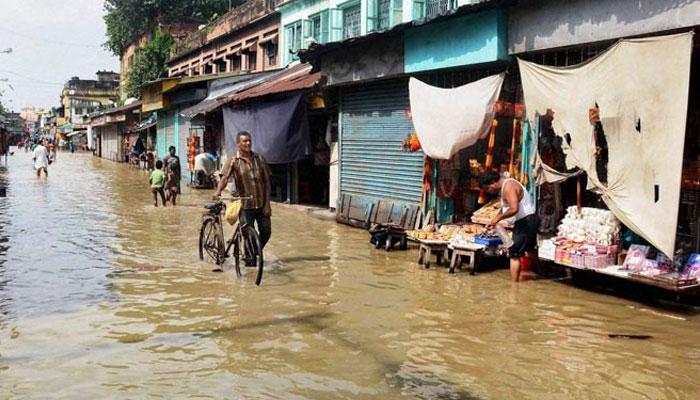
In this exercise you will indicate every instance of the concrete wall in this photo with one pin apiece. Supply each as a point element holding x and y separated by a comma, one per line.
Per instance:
<point>538,25</point>
<point>468,40</point>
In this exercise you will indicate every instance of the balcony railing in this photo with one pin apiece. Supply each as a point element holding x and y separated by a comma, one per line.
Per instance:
<point>438,7</point>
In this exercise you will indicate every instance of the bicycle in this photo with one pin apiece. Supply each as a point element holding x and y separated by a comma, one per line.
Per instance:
<point>245,241</point>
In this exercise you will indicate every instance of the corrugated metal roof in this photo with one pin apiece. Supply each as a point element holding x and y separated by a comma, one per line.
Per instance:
<point>220,90</point>
<point>129,107</point>
<point>297,77</point>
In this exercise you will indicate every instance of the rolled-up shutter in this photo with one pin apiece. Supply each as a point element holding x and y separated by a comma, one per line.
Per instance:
<point>375,121</point>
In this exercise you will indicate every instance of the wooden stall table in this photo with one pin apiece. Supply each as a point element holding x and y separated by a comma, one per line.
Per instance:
<point>428,248</point>
<point>459,251</point>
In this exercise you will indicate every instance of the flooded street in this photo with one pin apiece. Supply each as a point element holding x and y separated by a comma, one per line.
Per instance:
<point>103,296</point>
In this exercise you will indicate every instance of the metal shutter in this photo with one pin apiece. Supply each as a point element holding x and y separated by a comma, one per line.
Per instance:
<point>375,121</point>
<point>166,137</point>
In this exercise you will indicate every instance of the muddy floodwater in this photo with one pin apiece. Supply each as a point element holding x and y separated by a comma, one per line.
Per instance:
<point>103,296</point>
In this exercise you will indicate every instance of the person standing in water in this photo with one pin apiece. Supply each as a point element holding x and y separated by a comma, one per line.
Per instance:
<point>40,155</point>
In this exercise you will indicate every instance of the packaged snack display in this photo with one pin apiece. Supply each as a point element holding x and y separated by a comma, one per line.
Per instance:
<point>692,267</point>
<point>636,256</point>
<point>665,264</point>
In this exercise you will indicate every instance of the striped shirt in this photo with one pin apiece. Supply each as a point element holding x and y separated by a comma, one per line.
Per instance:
<point>251,179</point>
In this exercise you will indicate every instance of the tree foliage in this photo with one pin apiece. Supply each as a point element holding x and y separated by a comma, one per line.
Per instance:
<point>126,20</point>
<point>149,63</point>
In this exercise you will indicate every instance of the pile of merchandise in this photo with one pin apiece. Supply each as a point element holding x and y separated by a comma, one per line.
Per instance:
<point>586,239</point>
<point>661,267</point>
<point>445,233</point>
<point>591,225</point>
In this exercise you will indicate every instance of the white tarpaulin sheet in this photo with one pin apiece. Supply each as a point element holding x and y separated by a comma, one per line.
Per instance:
<point>641,87</point>
<point>449,120</point>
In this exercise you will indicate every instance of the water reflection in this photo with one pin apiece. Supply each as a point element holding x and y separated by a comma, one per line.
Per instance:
<point>107,298</point>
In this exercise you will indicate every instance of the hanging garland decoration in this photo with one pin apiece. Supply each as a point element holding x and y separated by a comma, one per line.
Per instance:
<point>489,157</point>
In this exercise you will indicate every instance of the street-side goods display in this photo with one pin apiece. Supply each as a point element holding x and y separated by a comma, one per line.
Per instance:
<point>590,225</point>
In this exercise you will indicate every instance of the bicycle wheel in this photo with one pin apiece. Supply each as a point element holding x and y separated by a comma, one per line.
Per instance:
<point>211,246</point>
<point>254,252</point>
<point>237,251</point>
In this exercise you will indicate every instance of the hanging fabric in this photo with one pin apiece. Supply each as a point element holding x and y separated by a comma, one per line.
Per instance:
<point>640,88</point>
<point>449,120</point>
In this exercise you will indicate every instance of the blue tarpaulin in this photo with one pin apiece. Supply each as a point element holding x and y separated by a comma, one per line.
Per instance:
<point>279,128</point>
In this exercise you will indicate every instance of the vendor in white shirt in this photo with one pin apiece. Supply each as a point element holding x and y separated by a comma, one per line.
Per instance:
<point>515,202</point>
<point>204,166</point>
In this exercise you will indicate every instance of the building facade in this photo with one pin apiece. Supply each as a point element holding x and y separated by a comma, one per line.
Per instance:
<point>81,97</point>
<point>244,40</point>
<point>322,21</point>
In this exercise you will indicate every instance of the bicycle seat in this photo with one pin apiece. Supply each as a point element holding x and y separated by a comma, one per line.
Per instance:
<point>217,206</point>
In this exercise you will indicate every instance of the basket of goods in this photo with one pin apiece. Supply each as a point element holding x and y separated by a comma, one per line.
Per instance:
<point>427,233</point>
<point>485,214</point>
<point>488,239</point>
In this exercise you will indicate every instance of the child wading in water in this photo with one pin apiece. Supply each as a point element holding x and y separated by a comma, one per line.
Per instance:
<point>157,182</point>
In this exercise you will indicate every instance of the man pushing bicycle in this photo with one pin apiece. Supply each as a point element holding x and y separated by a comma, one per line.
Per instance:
<point>251,176</point>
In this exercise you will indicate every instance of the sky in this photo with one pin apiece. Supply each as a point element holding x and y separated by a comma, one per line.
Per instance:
<point>51,41</point>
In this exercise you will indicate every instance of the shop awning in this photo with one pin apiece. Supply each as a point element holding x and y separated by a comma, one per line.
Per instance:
<point>292,79</point>
<point>143,127</point>
<point>65,128</point>
<point>249,46</point>
<point>220,89</point>
<point>269,39</point>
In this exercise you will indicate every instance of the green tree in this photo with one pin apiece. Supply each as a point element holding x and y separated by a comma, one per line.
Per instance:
<point>126,20</point>
<point>149,63</point>
<point>2,107</point>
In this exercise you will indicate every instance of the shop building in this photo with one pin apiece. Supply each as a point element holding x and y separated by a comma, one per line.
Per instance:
<point>290,126</point>
<point>559,35</point>
<point>111,130</point>
<point>369,75</point>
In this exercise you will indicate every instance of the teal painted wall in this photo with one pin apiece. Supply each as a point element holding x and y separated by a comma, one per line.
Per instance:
<point>467,40</point>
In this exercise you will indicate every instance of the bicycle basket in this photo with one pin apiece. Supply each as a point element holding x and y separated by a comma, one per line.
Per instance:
<point>233,208</point>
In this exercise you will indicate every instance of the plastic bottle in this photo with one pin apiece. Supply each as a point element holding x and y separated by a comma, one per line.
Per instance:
<point>501,232</point>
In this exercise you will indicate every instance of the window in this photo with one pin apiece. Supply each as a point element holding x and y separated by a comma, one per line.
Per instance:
<point>431,8</point>
<point>293,40</point>
<point>351,21</point>
<point>316,28</point>
<point>383,14</point>
<point>271,53</point>
<point>252,60</point>
<point>235,62</point>
<point>320,27</point>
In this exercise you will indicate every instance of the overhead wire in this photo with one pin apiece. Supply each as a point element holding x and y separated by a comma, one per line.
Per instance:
<point>49,41</point>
